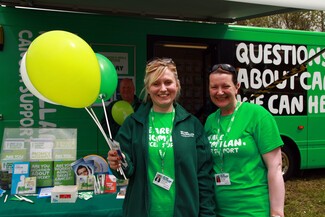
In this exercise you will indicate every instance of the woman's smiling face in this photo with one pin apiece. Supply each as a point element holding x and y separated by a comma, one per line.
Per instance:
<point>223,92</point>
<point>163,91</point>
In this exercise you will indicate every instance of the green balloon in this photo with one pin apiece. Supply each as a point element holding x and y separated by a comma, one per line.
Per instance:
<point>121,110</point>
<point>108,74</point>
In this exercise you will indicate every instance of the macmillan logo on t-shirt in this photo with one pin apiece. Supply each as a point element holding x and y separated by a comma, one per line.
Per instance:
<point>186,134</point>
<point>230,146</point>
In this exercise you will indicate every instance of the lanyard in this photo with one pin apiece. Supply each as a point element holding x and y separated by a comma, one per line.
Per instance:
<point>238,104</point>
<point>161,149</point>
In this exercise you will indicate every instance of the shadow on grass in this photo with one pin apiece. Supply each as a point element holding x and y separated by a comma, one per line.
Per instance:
<point>311,174</point>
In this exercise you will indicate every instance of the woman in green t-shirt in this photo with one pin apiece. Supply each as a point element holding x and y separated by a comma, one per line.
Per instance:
<point>167,151</point>
<point>246,148</point>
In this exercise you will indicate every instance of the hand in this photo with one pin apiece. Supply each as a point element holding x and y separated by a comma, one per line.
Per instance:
<point>114,160</point>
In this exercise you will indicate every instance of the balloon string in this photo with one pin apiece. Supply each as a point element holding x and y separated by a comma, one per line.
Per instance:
<point>94,117</point>
<point>106,138</point>
<point>108,127</point>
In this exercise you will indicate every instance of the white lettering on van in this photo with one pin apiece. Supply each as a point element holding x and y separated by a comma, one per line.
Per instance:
<point>276,54</point>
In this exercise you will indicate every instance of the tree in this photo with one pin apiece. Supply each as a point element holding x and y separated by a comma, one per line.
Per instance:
<point>301,20</point>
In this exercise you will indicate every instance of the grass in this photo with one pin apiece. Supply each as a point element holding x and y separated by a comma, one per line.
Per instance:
<point>305,194</point>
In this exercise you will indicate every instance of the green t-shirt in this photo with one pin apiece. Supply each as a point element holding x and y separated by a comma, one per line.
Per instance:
<point>161,146</point>
<point>253,133</point>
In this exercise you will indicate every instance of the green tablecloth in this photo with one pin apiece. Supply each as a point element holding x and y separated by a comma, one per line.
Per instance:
<point>100,205</point>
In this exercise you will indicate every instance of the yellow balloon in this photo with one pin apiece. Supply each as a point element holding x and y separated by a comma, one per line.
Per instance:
<point>64,69</point>
<point>28,84</point>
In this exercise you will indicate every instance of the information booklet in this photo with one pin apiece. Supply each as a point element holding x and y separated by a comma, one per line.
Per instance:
<point>43,171</point>
<point>20,171</point>
<point>63,173</point>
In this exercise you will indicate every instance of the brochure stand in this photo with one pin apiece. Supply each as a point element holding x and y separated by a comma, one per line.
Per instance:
<point>49,151</point>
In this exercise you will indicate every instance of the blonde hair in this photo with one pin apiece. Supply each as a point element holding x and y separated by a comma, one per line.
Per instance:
<point>154,69</point>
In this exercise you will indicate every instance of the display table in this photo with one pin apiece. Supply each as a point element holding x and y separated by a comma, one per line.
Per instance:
<point>100,205</point>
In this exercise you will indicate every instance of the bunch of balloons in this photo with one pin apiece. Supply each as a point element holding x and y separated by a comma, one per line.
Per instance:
<point>61,68</point>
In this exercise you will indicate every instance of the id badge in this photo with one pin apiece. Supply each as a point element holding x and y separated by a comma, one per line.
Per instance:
<point>222,179</point>
<point>163,181</point>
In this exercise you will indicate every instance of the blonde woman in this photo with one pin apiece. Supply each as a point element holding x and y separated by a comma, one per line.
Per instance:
<point>169,158</point>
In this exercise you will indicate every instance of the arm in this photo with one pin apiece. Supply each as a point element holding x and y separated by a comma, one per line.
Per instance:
<point>124,137</point>
<point>205,177</point>
<point>114,162</point>
<point>273,163</point>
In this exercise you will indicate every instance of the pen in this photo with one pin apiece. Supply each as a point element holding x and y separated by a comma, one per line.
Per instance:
<point>5,200</point>
<point>24,198</point>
